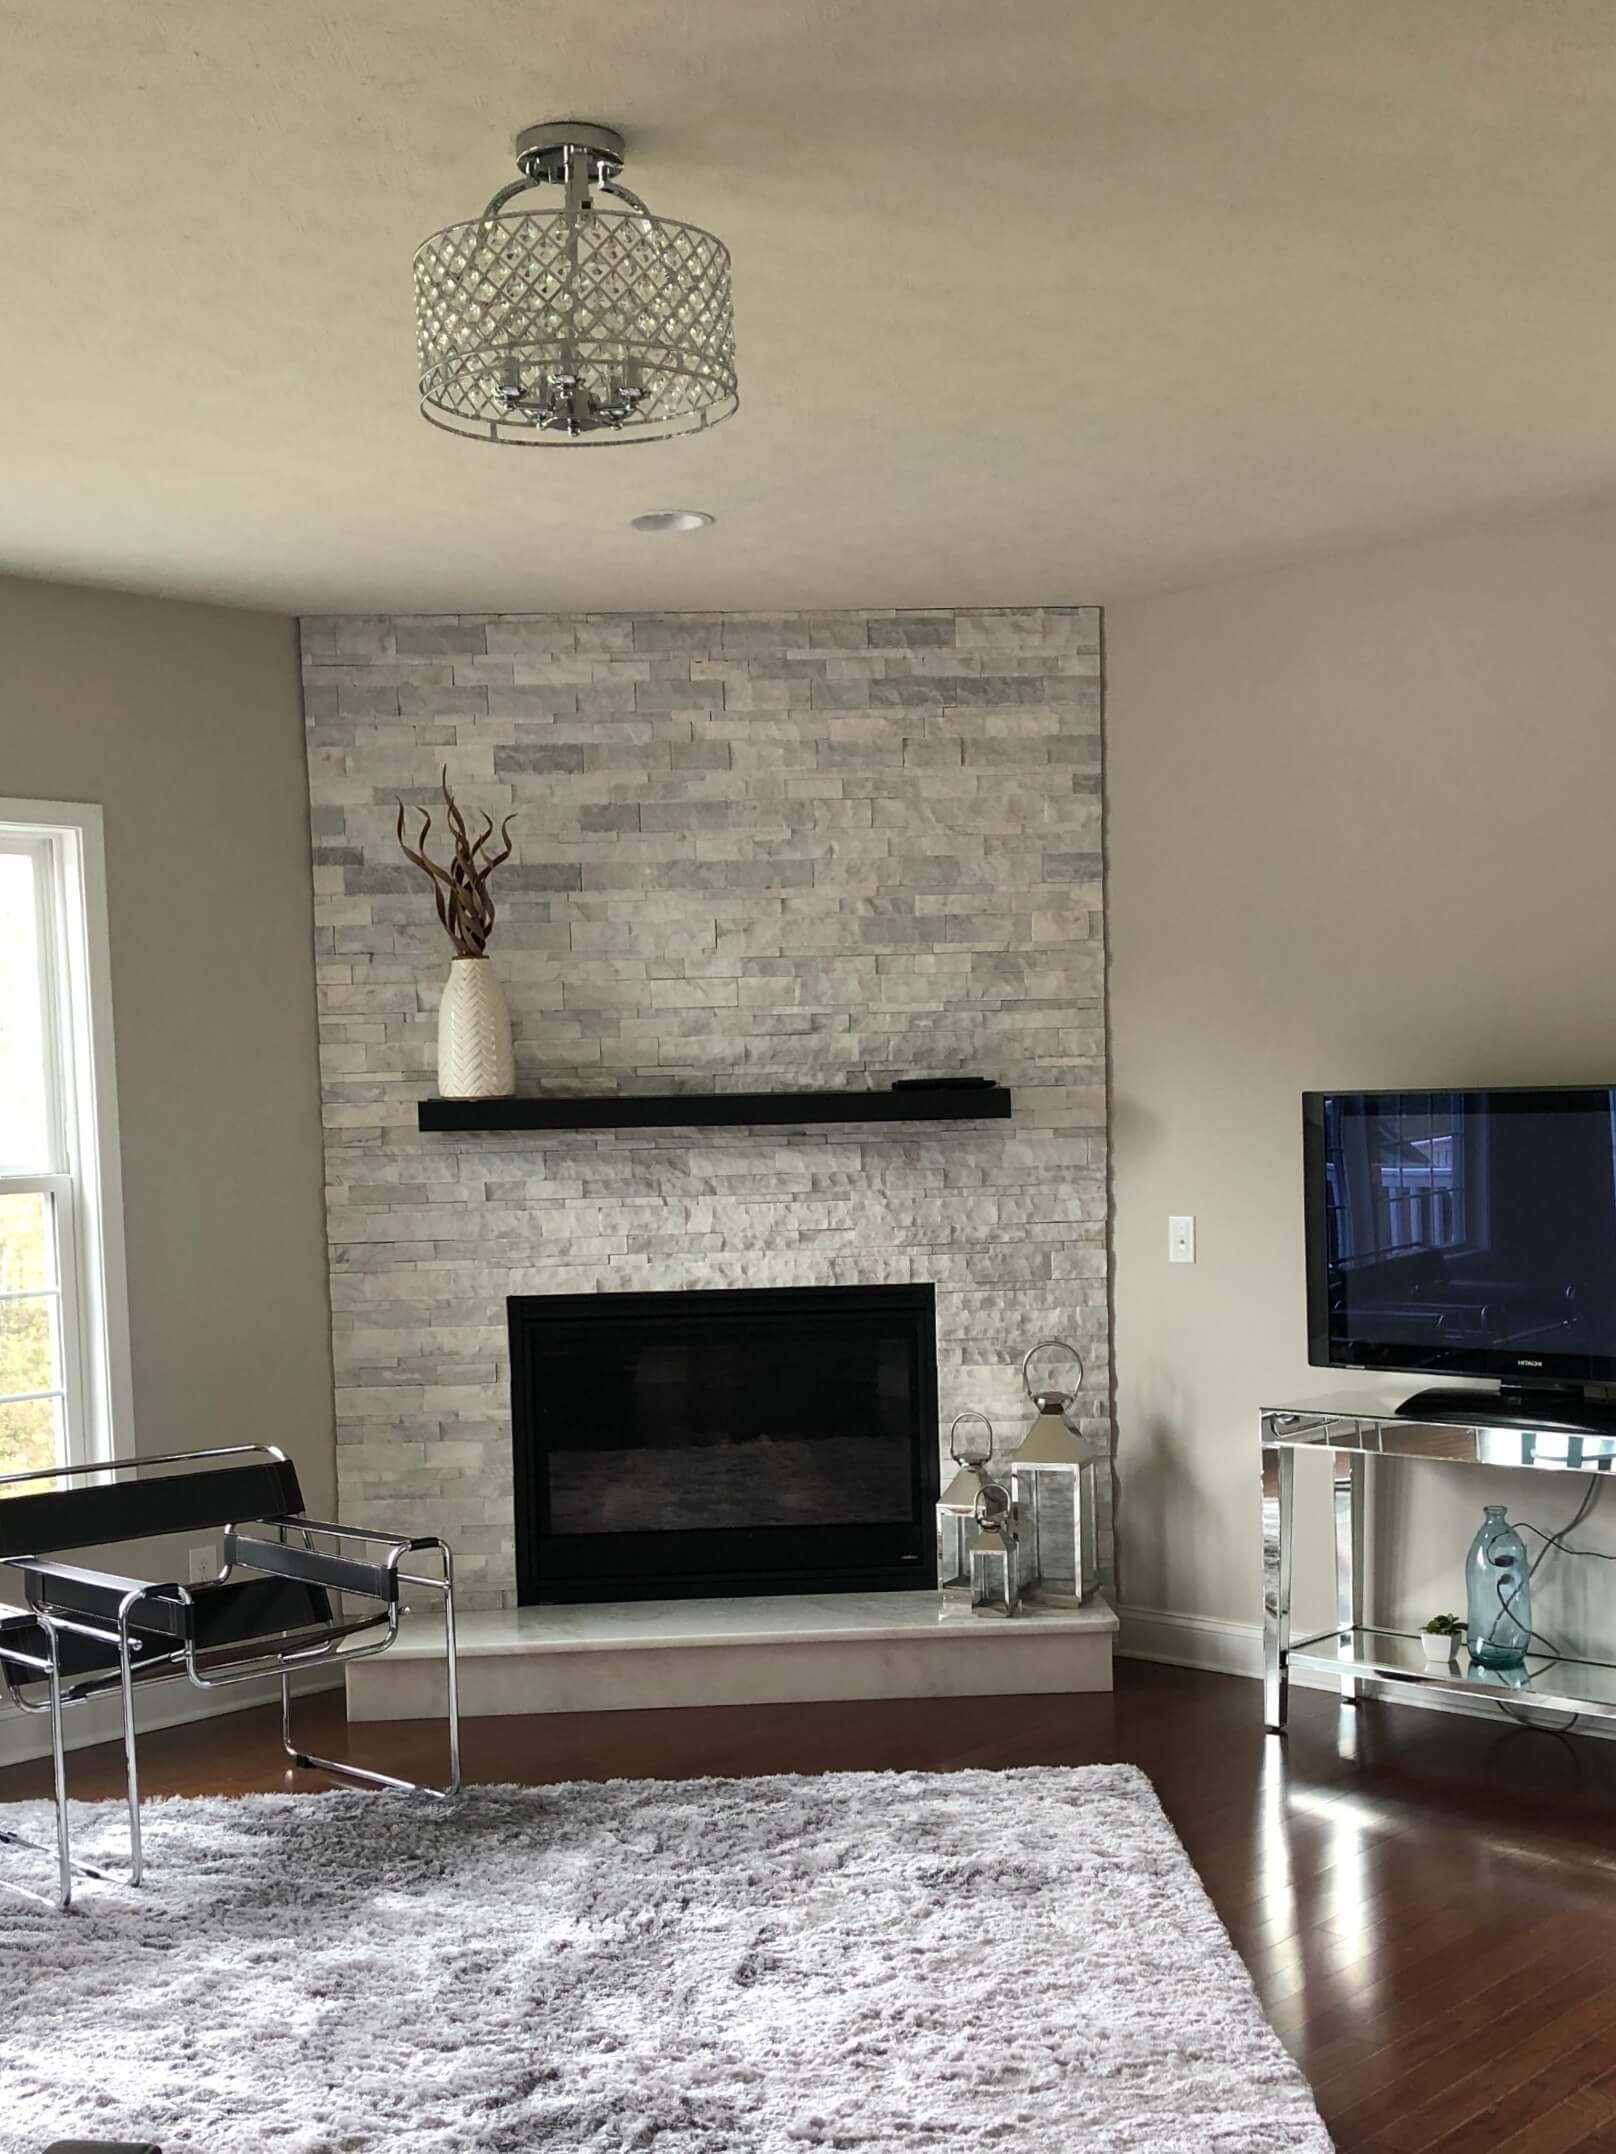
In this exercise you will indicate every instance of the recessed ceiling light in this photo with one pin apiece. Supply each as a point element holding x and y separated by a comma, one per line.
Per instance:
<point>672,520</point>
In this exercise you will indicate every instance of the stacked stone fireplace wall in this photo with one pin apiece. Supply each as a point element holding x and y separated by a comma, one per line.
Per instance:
<point>751,853</point>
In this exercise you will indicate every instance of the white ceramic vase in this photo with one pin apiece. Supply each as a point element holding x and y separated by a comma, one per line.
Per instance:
<point>474,1034</point>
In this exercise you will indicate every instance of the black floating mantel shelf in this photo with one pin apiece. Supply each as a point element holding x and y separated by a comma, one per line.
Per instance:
<point>913,1102</point>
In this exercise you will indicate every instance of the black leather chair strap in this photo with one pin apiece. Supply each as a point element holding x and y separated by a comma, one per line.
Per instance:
<point>103,2146</point>
<point>340,1574</point>
<point>234,1611</point>
<point>225,1614</point>
<point>97,1596</point>
<point>198,1502</point>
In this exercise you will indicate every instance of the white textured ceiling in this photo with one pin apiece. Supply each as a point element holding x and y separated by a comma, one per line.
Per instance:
<point>1036,299</point>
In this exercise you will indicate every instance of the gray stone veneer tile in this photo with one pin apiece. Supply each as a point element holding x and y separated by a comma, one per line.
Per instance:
<point>751,850</point>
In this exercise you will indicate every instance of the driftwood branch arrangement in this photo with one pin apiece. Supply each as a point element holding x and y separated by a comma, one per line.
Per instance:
<point>460,889</point>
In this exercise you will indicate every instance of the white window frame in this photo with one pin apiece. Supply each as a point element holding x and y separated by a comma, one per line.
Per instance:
<point>83,1175</point>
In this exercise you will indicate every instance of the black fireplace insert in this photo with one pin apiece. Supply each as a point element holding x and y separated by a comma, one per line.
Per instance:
<point>724,1441</point>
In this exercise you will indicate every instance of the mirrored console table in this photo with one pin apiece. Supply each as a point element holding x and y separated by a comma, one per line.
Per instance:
<point>1356,1438</point>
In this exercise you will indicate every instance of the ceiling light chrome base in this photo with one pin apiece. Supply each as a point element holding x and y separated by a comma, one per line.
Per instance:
<point>544,152</point>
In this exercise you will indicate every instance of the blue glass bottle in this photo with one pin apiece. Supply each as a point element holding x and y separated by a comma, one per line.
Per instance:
<point>1499,1590</point>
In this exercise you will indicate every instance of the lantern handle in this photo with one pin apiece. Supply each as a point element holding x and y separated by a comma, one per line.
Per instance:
<point>1066,1347</point>
<point>971,1413</point>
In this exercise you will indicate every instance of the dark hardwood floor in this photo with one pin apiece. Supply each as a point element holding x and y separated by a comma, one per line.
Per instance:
<point>1427,1903</point>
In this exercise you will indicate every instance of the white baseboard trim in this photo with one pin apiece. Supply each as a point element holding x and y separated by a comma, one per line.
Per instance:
<point>1225,1648</point>
<point>1189,1641</point>
<point>26,1736</point>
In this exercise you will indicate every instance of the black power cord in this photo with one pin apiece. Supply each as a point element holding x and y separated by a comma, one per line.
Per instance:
<point>1558,1540</point>
<point>1551,1655</point>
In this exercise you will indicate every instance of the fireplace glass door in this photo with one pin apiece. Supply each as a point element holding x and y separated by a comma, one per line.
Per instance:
<point>710,1442</point>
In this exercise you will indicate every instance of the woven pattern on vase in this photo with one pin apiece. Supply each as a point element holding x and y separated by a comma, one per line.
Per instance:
<point>474,1034</point>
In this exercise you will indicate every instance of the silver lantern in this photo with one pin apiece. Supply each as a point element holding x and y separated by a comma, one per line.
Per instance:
<point>978,1564</point>
<point>1052,1486</point>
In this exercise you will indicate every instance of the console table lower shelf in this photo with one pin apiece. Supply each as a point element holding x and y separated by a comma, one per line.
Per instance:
<point>1393,1656</point>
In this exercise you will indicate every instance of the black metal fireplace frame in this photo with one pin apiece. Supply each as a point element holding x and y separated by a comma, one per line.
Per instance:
<point>712,1564</point>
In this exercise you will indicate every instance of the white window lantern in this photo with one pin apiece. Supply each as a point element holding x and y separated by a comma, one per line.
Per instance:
<point>1052,1486</point>
<point>978,1566</point>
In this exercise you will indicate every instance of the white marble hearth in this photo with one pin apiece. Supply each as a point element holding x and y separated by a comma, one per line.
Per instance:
<point>629,1656</point>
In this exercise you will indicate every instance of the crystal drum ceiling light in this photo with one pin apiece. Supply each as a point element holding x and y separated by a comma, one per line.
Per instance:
<point>576,324</point>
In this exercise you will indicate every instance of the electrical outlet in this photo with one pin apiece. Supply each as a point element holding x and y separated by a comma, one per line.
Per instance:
<point>204,1565</point>
<point>1181,1239</point>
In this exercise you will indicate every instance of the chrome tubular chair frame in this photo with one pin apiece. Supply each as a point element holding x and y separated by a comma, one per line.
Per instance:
<point>269,1611</point>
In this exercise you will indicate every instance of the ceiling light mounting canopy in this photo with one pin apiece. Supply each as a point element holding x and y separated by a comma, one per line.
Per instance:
<point>545,152</point>
<point>578,324</point>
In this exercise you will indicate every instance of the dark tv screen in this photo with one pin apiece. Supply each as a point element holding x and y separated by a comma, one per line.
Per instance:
<point>1472,1232</point>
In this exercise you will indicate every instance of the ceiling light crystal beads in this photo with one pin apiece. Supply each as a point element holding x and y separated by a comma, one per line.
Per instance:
<point>579,324</point>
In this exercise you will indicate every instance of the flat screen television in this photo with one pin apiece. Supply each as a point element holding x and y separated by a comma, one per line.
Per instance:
<point>1467,1233</point>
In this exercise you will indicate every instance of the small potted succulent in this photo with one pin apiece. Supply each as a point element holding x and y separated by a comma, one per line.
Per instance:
<point>1440,1637</point>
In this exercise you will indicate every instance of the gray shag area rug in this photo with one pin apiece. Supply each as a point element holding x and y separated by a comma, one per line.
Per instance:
<point>909,1961</point>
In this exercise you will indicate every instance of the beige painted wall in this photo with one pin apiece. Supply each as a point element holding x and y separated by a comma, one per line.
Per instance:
<point>1360,833</point>
<point>185,723</point>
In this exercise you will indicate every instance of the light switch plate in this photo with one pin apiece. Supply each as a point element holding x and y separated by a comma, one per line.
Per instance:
<point>1181,1239</point>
